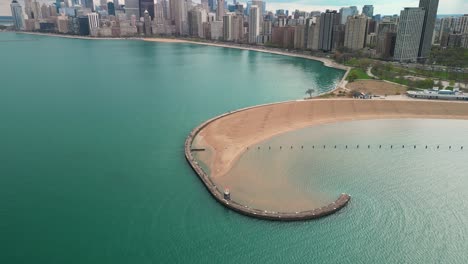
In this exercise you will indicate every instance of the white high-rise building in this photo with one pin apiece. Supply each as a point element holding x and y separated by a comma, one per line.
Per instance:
<point>93,20</point>
<point>17,13</point>
<point>254,23</point>
<point>409,34</point>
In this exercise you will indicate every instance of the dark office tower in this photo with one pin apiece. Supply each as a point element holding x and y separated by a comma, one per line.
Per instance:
<point>368,10</point>
<point>111,8</point>
<point>147,5</point>
<point>327,21</point>
<point>83,26</point>
<point>86,3</point>
<point>430,6</point>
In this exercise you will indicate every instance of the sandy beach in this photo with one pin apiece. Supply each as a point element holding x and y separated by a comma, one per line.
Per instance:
<point>228,137</point>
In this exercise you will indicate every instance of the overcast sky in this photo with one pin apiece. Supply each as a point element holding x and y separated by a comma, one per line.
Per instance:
<point>386,7</point>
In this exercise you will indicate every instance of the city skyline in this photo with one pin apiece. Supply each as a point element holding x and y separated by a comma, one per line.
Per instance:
<point>447,7</point>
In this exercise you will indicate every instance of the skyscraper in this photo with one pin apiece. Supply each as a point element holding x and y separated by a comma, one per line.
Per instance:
<point>254,23</point>
<point>368,10</point>
<point>345,12</point>
<point>220,10</point>
<point>146,5</point>
<point>179,16</point>
<point>430,8</point>
<point>355,32</point>
<point>17,13</point>
<point>132,7</point>
<point>409,34</point>
<point>327,21</point>
<point>228,27</point>
<point>111,8</point>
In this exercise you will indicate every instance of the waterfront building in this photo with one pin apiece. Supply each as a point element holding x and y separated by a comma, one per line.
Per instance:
<point>228,27</point>
<point>430,9</point>
<point>146,5</point>
<point>386,39</point>
<point>17,13</point>
<point>166,9</point>
<point>338,38</point>
<point>62,24</point>
<point>28,8</point>
<point>238,31</point>
<point>314,34</point>
<point>254,23</point>
<point>93,21</point>
<point>36,10</point>
<point>158,13</point>
<point>147,23</point>
<point>355,32</point>
<point>213,30</point>
<point>327,21</point>
<point>111,9</point>
<point>368,11</point>
<point>83,25</point>
<point>45,11</point>
<point>88,4</point>
<point>179,16</point>
<point>196,18</point>
<point>220,10</point>
<point>409,34</point>
<point>132,7</point>
<point>299,36</point>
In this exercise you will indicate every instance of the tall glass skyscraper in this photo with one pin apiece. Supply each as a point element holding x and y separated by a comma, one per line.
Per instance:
<point>430,7</point>
<point>17,13</point>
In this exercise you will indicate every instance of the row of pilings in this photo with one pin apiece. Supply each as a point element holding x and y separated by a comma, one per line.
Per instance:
<point>358,146</point>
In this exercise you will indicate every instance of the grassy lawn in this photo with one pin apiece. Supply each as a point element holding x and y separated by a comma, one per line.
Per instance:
<point>357,74</point>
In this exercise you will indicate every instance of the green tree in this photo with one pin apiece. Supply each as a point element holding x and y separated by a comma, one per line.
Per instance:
<point>310,92</point>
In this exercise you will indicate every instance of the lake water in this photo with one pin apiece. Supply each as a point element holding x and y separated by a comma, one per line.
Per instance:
<point>92,166</point>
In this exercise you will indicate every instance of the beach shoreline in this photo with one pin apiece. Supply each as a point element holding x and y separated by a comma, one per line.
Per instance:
<point>231,135</point>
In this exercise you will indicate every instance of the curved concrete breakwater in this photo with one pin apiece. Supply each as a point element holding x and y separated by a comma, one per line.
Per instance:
<point>229,135</point>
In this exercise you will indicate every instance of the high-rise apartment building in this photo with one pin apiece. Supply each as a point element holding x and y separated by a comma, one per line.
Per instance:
<point>146,5</point>
<point>368,10</point>
<point>93,20</point>
<point>196,18</point>
<point>228,27</point>
<point>386,39</point>
<point>254,23</point>
<point>17,13</point>
<point>355,32</point>
<point>220,10</point>
<point>111,8</point>
<point>327,21</point>
<point>409,34</point>
<point>179,16</point>
<point>132,7</point>
<point>430,8</point>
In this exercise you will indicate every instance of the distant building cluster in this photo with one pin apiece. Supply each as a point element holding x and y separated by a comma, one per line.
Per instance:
<point>407,37</point>
<point>452,32</point>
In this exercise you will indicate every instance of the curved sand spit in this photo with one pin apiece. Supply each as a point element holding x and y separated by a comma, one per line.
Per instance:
<point>227,136</point>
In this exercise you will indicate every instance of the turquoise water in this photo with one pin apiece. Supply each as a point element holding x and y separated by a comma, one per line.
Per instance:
<point>92,168</point>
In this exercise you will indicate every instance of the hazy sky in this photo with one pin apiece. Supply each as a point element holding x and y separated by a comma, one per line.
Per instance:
<point>380,7</point>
